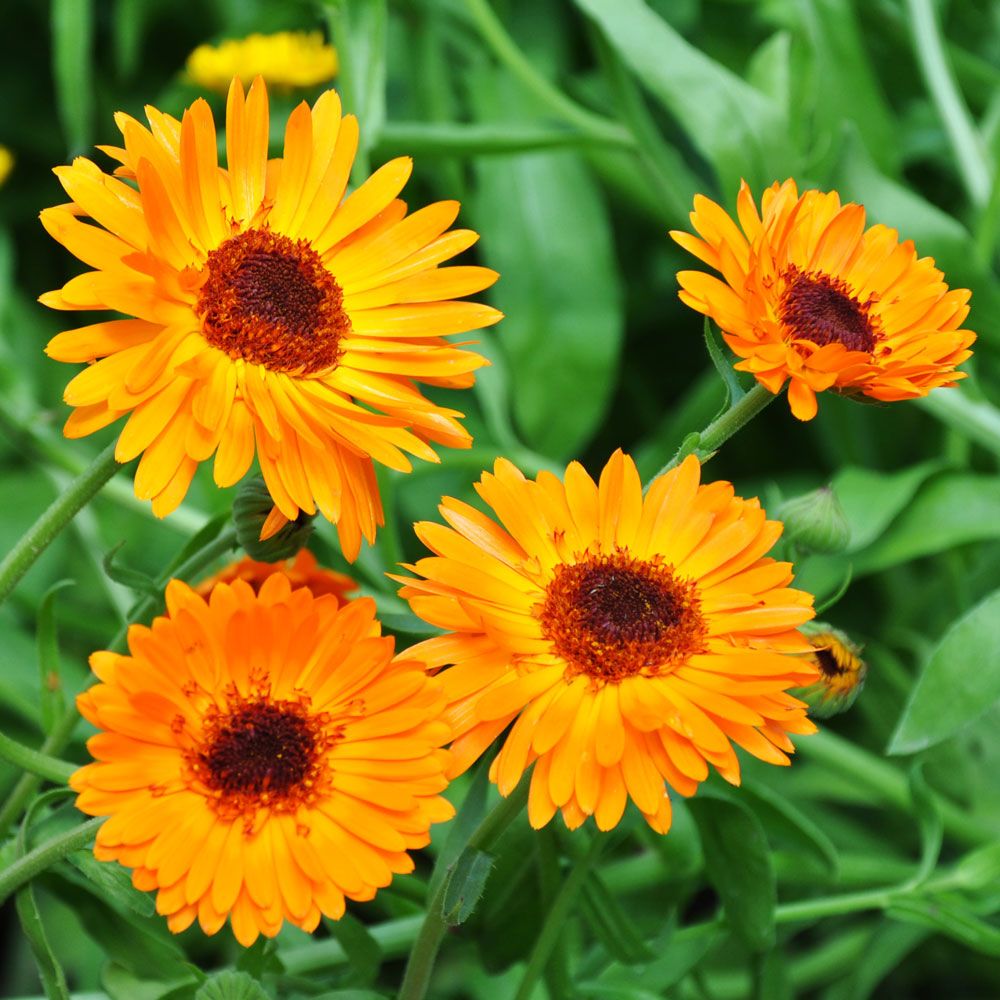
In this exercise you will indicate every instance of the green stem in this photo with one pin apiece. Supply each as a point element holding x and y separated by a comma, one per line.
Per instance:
<point>60,512</point>
<point>555,920</point>
<point>507,52</point>
<point>41,764</point>
<point>45,855</point>
<point>970,153</point>
<point>720,430</point>
<point>425,948</point>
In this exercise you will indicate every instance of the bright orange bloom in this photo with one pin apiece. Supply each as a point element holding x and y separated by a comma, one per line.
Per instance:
<point>273,316</point>
<point>302,570</point>
<point>842,671</point>
<point>812,296</point>
<point>262,757</point>
<point>631,641</point>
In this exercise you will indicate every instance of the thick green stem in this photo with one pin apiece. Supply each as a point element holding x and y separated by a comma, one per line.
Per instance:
<point>60,512</point>
<point>432,930</point>
<point>720,430</point>
<point>45,855</point>
<point>973,161</point>
<point>41,764</point>
<point>507,52</point>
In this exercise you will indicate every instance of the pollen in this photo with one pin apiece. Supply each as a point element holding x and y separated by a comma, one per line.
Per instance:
<point>270,300</point>
<point>614,616</point>
<point>260,753</point>
<point>821,309</point>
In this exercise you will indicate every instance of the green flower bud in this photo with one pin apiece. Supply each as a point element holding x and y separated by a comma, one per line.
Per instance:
<point>841,671</point>
<point>251,508</point>
<point>816,522</point>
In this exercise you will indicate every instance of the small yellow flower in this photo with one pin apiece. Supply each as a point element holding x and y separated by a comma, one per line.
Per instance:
<point>6,163</point>
<point>285,59</point>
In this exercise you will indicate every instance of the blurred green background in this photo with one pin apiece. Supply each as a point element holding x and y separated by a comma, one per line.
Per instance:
<point>575,135</point>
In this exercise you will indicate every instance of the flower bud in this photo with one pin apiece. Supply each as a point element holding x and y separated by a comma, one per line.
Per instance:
<point>816,522</point>
<point>841,671</point>
<point>253,511</point>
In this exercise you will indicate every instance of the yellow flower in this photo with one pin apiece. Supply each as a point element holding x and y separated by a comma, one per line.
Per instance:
<point>284,59</point>
<point>6,163</point>
<point>273,316</point>
<point>627,641</point>
<point>842,672</point>
<point>262,756</point>
<point>813,297</point>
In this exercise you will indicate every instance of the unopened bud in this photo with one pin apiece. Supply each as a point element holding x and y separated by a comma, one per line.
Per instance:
<point>841,671</point>
<point>816,522</point>
<point>253,516</point>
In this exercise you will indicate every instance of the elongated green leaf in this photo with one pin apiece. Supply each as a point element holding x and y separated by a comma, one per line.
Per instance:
<point>52,701</point>
<point>979,868</point>
<point>955,686</point>
<point>785,821</point>
<point>50,972</point>
<point>545,217</point>
<point>112,882</point>
<point>141,583</point>
<point>121,984</point>
<point>611,924</point>
<point>738,865</point>
<point>951,510</point>
<point>951,918</point>
<point>737,129</point>
<point>929,819</point>
<point>465,886</point>
<point>363,952</point>
<point>72,65</point>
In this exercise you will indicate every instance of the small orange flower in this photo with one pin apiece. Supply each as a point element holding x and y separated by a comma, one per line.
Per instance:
<point>262,756</point>
<point>273,316</point>
<point>302,570</point>
<point>631,641</point>
<point>842,671</point>
<point>812,296</point>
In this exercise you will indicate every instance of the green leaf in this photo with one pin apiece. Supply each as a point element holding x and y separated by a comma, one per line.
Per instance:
<point>545,217</point>
<point>955,686</point>
<point>230,985</point>
<point>72,65</point>
<point>738,865</point>
<point>51,699</point>
<point>713,343</point>
<point>199,540</point>
<point>465,886</point>
<point>887,946</point>
<point>951,510</point>
<point>121,984</point>
<point>951,918</point>
<point>141,583</point>
<point>461,828</point>
<point>979,868</point>
<point>736,128</point>
<point>112,883</point>
<point>870,500</point>
<point>50,972</point>
<point>928,816</point>
<point>363,952</point>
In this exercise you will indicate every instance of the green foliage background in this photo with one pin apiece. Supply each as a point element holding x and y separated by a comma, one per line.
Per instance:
<point>575,134</point>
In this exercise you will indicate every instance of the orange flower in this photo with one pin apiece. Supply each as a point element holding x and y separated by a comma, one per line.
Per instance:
<point>812,296</point>
<point>302,570</point>
<point>630,641</point>
<point>262,757</point>
<point>273,315</point>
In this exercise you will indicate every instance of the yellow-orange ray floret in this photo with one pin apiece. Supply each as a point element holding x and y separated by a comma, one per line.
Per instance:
<point>273,314</point>
<point>302,570</point>
<point>262,757</point>
<point>627,641</point>
<point>810,296</point>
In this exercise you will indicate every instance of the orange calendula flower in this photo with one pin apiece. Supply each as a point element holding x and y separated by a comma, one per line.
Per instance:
<point>302,570</point>
<point>812,296</point>
<point>631,641</point>
<point>842,671</point>
<point>272,315</point>
<point>262,757</point>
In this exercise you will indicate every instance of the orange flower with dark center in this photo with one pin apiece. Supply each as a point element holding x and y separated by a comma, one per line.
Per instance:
<point>274,315</point>
<point>842,671</point>
<point>302,570</point>
<point>628,642</point>
<point>262,757</point>
<point>812,297</point>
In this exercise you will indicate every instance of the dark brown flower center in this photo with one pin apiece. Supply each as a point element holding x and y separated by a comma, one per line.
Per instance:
<point>260,753</point>
<point>271,301</point>
<point>822,309</point>
<point>613,616</point>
